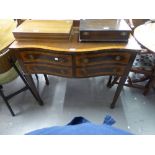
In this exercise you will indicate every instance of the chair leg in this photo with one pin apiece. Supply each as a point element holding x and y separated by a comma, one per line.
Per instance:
<point>144,78</point>
<point>109,81</point>
<point>37,77</point>
<point>112,82</point>
<point>148,86</point>
<point>46,79</point>
<point>129,81</point>
<point>6,102</point>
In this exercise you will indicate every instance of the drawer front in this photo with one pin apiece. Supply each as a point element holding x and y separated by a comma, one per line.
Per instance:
<point>102,58</point>
<point>104,35</point>
<point>46,57</point>
<point>99,71</point>
<point>48,69</point>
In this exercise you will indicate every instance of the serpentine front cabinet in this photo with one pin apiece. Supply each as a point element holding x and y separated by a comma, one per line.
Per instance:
<point>74,59</point>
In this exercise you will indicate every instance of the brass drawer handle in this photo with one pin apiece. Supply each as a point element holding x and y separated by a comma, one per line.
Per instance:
<point>85,60</point>
<point>123,33</point>
<point>85,33</point>
<point>57,59</point>
<point>31,57</point>
<point>118,58</point>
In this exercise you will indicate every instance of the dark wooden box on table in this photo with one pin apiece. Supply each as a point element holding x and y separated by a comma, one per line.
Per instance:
<point>109,30</point>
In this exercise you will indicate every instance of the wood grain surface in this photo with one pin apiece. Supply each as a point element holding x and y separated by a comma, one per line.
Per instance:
<point>43,29</point>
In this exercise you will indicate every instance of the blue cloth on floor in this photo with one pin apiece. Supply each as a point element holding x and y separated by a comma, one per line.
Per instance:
<point>82,126</point>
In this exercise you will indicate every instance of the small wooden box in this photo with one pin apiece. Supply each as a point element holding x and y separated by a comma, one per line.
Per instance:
<point>109,30</point>
<point>44,30</point>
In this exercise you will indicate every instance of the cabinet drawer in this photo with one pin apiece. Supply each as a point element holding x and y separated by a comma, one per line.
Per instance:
<point>103,58</point>
<point>46,57</point>
<point>48,69</point>
<point>101,70</point>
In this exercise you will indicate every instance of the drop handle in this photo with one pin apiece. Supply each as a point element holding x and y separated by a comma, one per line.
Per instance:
<point>31,57</point>
<point>118,58</point>
<point>85,33</point>
<point>123,33</point>
<point>85,60</point>
<point>57,59</point>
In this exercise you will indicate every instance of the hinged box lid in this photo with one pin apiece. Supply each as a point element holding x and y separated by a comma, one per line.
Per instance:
<point>103,25</point>
<point>43,29</point>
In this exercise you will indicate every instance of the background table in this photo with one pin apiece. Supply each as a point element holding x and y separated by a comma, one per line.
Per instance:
<point>145,35</point>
